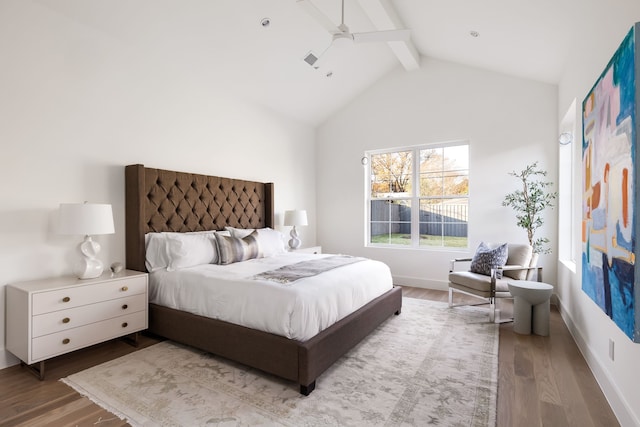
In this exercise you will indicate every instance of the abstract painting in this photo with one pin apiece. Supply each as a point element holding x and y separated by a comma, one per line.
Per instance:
<point>610,182</point>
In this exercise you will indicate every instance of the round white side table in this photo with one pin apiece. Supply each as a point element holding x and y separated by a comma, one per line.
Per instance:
<point>530,306</point>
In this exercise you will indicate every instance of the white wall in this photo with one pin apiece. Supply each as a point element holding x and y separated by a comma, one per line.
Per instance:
<point>592,329</point>
<point>509,123</point>
<point>76,106</point>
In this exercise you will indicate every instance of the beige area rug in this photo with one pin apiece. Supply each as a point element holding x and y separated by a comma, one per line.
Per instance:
<point>431,365</point>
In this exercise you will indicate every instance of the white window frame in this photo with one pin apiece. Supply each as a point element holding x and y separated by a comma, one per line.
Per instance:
<point>414,198</point>
<point>569,185</point>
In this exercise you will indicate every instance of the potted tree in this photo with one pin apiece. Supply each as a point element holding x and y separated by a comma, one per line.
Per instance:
<point>529,202</point>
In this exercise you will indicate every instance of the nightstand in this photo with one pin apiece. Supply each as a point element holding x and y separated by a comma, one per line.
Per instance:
<point>50,317</point>
<point>309,250</point>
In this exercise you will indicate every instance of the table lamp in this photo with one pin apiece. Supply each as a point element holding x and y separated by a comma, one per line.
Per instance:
<point>293,218</point>
<point>86,219</point>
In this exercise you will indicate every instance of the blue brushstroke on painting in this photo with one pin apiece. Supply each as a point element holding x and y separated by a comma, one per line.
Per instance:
<point>624,78</point>
<point>591,277</point>
<point>622,242</point>
<point>620,278</point>
<point>599,218</point>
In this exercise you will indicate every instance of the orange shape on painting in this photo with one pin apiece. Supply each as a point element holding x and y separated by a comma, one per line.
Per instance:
<point>595,196</point>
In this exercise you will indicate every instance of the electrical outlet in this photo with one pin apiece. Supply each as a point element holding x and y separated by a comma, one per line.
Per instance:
<point>611,349</point>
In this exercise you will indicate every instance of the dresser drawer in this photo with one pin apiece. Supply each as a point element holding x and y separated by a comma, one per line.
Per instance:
<point>62,299</point>
<point>62,320</point>
<point>51,345</point>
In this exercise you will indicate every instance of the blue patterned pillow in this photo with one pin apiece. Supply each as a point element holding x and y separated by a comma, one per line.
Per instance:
<point>233,249</point>
<point>487,258</point>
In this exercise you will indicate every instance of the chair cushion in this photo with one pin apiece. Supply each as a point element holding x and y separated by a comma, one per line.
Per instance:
<point>487,258</point>
<point>519,255</point>
<point>479,283</point>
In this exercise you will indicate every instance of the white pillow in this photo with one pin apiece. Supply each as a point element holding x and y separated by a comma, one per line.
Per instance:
<point>156,251</point>
<point>271,242</point>
<point>239,233</point>
<point>188,250</point>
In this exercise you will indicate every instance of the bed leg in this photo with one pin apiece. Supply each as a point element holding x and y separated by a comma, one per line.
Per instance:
<point>307,389</point>
<point>397,313</point>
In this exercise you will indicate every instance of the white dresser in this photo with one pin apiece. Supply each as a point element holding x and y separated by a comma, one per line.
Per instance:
<point>49,317</point>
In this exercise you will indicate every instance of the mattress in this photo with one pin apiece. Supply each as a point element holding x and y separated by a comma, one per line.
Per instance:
<point>297,310</point>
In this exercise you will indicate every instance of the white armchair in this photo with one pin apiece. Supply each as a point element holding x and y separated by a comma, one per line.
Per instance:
<point>521,265</point>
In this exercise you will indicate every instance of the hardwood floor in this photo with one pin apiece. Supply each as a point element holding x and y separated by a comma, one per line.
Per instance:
<point>543,381</point>
<point>27,401</point>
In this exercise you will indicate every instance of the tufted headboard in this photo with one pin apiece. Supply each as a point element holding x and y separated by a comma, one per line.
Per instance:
<point>159,200</point>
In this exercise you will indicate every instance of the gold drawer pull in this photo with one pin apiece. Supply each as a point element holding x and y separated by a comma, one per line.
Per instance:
<point>125,306</point>
<point>66,299</point>
<point>125,324</point>
<point>66,341</point>
<point>66,320</point>
<point>125,288</point>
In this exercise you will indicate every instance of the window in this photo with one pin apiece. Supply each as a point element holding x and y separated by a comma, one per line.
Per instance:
<point>419,196</point>
<point>569,186</point>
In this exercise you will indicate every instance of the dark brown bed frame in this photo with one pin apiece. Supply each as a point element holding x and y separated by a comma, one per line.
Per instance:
<point>161,200</point>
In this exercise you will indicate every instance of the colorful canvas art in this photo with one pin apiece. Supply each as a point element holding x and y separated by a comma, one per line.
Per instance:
<point>610,182</point>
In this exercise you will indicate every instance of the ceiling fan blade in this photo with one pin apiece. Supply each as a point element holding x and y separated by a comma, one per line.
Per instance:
<point>320,17</point>
<point>382,36</point>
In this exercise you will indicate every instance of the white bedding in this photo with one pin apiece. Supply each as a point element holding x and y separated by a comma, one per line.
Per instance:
<point>299,310</point>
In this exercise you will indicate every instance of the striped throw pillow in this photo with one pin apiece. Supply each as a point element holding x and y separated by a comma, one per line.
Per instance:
<point>233,249</point>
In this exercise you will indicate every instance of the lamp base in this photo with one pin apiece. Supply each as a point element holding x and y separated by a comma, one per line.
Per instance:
<point>88,266</point>
<point>295,242</point>
<point>89,269</point>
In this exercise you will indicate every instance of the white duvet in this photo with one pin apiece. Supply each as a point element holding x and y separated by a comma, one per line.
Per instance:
<point>298,310</point>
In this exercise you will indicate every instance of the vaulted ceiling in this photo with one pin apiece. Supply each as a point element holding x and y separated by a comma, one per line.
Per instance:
<point>225,42</point>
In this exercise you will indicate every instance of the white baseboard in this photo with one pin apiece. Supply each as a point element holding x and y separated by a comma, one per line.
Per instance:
<point>7,359</point>
<point>616,400</point>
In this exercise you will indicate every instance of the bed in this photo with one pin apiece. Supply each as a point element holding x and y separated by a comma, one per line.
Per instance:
<point>167,201</point>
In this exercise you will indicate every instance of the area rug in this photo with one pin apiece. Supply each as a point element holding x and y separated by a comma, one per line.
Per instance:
<point>430,365</point>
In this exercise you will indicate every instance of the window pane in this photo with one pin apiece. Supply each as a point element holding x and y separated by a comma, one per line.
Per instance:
<point>393,222</point>
<point>431,184</point>
<point>380,210</point>
<point>456,157</point>
<point>431,160</point>
<point>455,183</point>
<point>443,222</point>
<point>391,174</point>
<point>444,171</point>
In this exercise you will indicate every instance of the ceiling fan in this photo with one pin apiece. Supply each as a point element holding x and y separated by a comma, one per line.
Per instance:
<point>341,35</point>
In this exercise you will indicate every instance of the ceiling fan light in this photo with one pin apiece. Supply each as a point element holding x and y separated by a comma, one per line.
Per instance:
<point>341,40</point>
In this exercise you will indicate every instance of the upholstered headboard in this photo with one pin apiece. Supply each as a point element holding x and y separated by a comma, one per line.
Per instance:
<point>159,200</point>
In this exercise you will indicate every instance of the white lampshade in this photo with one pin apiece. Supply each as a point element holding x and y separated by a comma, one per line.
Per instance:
<point>86,219</point>
<point>296,217</point>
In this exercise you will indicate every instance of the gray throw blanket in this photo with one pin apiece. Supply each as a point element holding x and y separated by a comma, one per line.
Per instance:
<point>290,273</point>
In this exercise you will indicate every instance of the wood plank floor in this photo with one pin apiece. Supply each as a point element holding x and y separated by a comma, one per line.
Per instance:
<point>543,381</point>
<point>27,401</point>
